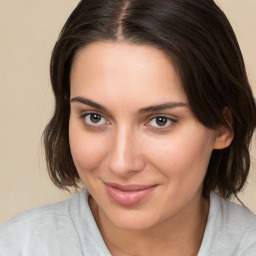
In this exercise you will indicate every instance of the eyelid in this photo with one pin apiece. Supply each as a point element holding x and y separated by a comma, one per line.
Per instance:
<point>80,109</point>
<point>99,123</point>
<point>83,115</point>
<point>92,126</point>
<point>171,119</point>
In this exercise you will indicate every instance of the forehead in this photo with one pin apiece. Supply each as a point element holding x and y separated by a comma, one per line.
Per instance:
<point>108,69</point>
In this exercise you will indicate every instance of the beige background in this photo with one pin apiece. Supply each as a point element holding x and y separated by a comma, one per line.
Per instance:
<point>28,30</point>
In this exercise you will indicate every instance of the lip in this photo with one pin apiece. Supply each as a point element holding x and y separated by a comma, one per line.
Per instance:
<point>128,195</point>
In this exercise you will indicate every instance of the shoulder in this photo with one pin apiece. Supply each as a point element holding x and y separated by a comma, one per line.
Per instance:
<point>233,217</point>
<point>39,216</point>
<point>231,228</point>
<point>51,223</point>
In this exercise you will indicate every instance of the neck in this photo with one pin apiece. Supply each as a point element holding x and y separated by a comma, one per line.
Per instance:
<point>180,235</point>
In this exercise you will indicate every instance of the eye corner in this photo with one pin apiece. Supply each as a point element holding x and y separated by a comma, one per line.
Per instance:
<point>92,120</point>
<point>166,122</point>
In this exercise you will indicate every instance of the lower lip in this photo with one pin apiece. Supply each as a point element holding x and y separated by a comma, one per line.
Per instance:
<point>128,198</point>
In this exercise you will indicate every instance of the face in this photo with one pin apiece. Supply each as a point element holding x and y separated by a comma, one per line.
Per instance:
<point>137,147</point>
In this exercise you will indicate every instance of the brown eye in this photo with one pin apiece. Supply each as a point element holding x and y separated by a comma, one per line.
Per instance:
<point>161,121</point>
<point>94,119</point>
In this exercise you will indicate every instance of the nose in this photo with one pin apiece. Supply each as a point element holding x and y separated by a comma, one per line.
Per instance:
<point>125,153</point>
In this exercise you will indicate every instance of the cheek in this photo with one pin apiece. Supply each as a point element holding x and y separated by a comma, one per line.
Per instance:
<point>86,149</point>
<point>183,156</point>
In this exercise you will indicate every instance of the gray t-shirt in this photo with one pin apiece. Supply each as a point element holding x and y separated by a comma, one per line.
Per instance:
<point>68,228</point>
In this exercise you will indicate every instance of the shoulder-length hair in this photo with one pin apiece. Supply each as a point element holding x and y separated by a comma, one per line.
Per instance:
<point>198,37</point>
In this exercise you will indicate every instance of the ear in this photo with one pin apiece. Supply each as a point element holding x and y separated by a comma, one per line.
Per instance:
<point>224,135</point>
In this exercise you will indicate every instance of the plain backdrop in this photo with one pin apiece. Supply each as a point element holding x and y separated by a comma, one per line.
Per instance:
<point>28,30</point>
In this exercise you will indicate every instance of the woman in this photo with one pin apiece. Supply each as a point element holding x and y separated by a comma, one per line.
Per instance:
<point>154,116</point>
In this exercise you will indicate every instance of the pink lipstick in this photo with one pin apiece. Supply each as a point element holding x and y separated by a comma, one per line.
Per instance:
<point>128,195</point>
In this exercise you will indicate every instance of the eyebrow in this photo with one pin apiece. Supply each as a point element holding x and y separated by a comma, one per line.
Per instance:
<point>153,108</point>
<point>89,103</point>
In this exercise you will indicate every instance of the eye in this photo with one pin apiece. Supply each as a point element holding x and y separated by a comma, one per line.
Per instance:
<point>161,122</point>
<point>94,119</point>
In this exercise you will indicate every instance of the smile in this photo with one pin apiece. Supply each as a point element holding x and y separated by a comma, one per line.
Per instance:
<point>128,195</point>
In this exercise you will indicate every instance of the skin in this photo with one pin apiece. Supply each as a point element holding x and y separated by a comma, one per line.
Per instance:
<point>126,145</point>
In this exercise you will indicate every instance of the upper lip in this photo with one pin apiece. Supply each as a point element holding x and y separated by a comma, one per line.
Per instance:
<point>129,187</point>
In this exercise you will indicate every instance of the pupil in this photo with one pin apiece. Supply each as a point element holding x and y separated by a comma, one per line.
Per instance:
<point>161,121</point>
<point>95,118</point>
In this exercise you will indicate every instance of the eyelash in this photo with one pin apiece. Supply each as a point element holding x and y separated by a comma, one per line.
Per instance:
<point>169,122</point>
<point>84,118</point>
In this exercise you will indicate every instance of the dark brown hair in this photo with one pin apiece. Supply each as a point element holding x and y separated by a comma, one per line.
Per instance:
<point>199,39</point>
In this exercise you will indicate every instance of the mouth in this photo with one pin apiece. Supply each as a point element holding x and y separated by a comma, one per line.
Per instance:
<point>128,195</point>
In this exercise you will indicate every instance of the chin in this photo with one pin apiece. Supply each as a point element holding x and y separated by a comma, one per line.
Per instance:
<point>136,222</point>
<point>132,219</point>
